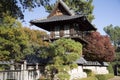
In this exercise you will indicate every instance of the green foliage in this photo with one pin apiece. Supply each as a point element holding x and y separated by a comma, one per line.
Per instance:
<point>84,7</point>
<point>109,76</point>
<point>16,42</point>
<point>101,77</point>
<point>62,54</point>
<point>110,69</point>
<point>63,76</point>
<point>89,78</point>
<point>114,34</point>
<point>88,71</point>
<point>15,8</point>
<point>104,76</point>
<point>12,39</point>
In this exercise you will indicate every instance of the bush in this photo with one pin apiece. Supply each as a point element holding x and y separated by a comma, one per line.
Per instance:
<point>101,77</point>
<point>89,78</point>
<point>104,76</point>
<point>109,76</point>
<point>63,76</point>
<point>88,71</point>
<point>110,69</point>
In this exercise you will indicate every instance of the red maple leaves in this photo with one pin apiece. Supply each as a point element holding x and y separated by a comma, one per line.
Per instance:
<point>99,48</point>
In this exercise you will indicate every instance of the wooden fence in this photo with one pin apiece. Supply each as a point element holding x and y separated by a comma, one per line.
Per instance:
<point>20,75</point>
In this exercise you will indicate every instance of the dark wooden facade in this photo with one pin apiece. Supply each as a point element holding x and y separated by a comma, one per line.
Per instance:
<point>63,22</point>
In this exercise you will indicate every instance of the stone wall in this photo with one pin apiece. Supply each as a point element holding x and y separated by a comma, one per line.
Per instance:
<point>77,73</point>
<point>97,69</point>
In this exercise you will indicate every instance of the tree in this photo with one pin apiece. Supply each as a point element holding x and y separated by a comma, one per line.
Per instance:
<point>114,33</point>
<point>15,8</point>
<point>35,38</point>
<point>99,48</point>
<point>62,55</point>
<point>84,7</point>
<point>16,41</point>
<point>13,41</point>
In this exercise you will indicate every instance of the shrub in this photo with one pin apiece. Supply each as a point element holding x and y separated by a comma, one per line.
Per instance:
<point>108,76</point>
<point>88,71</point>
<point>89,78</point>
<point>110,69</point>
<point>104,76</point>
<point>63,76</point>
<point>101,77</point>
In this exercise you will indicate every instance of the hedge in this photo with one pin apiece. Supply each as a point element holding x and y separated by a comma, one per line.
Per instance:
<point>89,78</point>
<point>104,76</point>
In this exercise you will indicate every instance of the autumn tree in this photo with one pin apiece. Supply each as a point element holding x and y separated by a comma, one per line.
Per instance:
<point>62,55</point>
<point>17,41</point>
<point>35,38</point>
<point>114,34</point>
<point>99,48</point>
<point>13,40</point>
<point>84,7</point>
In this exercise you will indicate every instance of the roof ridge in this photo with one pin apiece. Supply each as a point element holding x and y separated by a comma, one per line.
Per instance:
<point>65,7</point>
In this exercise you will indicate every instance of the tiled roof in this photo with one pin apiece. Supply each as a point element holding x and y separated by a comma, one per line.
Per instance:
<point>71,12</point>
<point>64,19</point>
<point>56,19</point>
<point>33,59</point>
<point>81,61</point>
<point>96,63</point>
<point>93,63</point>
<point>105,64</point>
<point>7,62</point>
<point>67,8</point>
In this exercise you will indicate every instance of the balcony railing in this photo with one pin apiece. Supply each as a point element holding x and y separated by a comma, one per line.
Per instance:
<point>75,34</point>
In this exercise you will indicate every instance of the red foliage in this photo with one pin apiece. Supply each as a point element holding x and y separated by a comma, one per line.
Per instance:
<point>99,48</point>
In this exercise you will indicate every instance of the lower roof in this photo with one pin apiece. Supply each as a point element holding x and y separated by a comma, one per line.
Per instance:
<point>61,20</point>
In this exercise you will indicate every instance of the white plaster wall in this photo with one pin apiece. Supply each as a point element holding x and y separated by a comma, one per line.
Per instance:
<point>77,73</point>
<point>97,69</point>
<point>102,70</point>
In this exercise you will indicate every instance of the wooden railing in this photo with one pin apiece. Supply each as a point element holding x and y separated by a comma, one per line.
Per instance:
<point>75,34</point>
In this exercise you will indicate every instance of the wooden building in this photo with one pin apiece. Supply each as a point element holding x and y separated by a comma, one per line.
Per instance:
<point>64,22</point>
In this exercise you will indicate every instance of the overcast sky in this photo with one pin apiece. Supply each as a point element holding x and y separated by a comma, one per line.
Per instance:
<point>106,12</point>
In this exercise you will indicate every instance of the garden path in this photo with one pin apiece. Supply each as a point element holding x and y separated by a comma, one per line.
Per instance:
<point>115,78</point>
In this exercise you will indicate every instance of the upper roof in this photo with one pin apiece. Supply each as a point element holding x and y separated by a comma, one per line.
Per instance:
<point>60,15</point>
<point>62,4</point>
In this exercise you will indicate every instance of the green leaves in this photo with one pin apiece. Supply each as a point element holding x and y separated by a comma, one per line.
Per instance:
<point>62,53</point>
<point>16,41</point>
<point>114,34</point>
<point>15,8</point>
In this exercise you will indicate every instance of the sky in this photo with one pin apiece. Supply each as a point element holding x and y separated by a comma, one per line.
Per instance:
<point>106,12</point>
